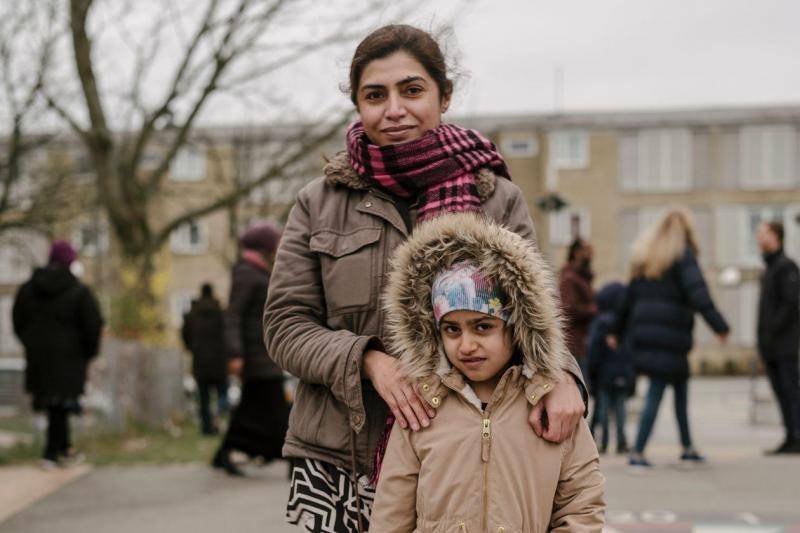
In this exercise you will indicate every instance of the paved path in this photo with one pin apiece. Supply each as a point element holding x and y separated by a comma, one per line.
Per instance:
<point>739,490</point>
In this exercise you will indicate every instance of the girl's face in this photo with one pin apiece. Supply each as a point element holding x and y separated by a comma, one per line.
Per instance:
<point>398,101</point>
<point>478,345</point>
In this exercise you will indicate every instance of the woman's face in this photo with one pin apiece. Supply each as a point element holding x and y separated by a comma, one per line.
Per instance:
<point>398,101</point>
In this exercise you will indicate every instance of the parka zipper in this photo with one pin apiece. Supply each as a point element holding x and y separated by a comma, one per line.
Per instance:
<point>486,442</point>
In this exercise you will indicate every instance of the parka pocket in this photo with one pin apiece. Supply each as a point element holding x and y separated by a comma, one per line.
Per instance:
<point>348,266</point>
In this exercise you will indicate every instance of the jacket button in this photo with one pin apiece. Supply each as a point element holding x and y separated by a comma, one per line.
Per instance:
<point>426,387</point>
<point>435,400</point>
<point>356,419</point>
<point>546,386</point>
<point>501,530</point>
<point>368,204</point>
<point>533,397</point>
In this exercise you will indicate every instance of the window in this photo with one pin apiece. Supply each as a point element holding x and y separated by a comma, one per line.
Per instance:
<point>567,224</point>
<point>9,345</point>
<point>179,304</point>
<point>91,237</point>
<point>740,306</point>
<point>189,164</point>
<point>519,146</point>
<point>736,229</point>
<point>656,160</point>
<point>569,149</point>
<point>20,252</point>
<point>768,157</point>
<point>190,239</point>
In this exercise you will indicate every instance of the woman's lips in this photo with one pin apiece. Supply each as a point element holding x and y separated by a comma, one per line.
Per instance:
<point>397,133</point>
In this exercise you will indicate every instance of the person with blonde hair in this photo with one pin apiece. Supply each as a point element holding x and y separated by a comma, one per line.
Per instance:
<point>656,320</point>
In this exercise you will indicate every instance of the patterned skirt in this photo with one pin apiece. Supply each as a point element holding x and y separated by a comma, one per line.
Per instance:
<point>322,498</point>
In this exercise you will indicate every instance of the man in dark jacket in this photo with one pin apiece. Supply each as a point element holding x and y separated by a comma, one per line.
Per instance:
<point>258,424</point>
<point>203,334</point>
<point>779,329</point>
<point>577,299</point>
<point>58,321</point>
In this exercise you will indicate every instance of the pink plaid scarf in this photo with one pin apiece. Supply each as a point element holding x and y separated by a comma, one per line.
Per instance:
<point>438,168</point>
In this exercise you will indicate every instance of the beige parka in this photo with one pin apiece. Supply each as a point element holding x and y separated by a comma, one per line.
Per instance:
<point>476,470</point>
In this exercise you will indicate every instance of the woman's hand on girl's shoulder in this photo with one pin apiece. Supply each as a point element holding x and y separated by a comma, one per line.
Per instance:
<point>388,379</point>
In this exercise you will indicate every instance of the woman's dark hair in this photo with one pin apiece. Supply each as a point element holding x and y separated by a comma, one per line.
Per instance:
<point>389,39</point>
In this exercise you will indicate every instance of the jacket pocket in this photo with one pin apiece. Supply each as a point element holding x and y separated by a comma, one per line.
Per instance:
<point>348,268</point>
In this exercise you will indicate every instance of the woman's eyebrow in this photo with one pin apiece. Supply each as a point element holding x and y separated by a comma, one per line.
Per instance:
<point>407,79</point>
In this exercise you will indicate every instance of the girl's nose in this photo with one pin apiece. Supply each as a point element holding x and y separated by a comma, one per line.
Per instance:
<point>468,343</point>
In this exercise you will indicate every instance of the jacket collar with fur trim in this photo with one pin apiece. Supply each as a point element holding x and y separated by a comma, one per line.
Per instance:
<point>512,261</point>
<point>339,171</point>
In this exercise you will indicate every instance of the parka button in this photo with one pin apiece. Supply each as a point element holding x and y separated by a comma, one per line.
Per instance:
<point>435,400</point>
<point>533,397</point>
<point>501,530</point>
<point>356,419</point>
<point>546,386</point>
<point>426,387</point>
<point>368,204</point>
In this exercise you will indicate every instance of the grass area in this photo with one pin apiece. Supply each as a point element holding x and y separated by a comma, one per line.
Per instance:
<point>180,443</point>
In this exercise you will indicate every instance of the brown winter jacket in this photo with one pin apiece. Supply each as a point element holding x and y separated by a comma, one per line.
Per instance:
<point>323,306</point>
<point>577,302</point>
<point>476,470</point>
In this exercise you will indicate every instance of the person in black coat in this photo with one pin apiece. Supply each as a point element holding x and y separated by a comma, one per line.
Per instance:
<point>613,379</point>
<point>58,321</point>
<point>779,330</point>
<point>203,334</point>
<point>259,423</point>
<point>656,318</point>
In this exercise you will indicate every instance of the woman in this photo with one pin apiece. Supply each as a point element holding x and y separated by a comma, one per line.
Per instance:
<point>323,319</point>
<point>258,424</point>
<point>656,319</point>
<point>58,321</point>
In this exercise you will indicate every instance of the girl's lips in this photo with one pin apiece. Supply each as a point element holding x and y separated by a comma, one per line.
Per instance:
<point>473,363</point>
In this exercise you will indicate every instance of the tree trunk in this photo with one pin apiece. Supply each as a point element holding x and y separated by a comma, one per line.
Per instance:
<point>135,309</point>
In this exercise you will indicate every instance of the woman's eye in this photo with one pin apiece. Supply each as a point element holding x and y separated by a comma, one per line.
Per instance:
<point>414,90</point>
<point>374,95</point>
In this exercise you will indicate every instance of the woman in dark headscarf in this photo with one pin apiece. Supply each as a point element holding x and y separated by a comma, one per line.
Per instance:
<point>258,424</point>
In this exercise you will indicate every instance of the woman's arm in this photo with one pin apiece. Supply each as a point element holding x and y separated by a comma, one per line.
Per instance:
<point>294,316</point>
<point>696,290</point>
<point>567,403</point>
<point>579,504</point>
<point>395,507</point>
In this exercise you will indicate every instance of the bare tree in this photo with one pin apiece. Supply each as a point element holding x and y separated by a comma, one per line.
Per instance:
<point>33,192</point>
<point>207,49</point>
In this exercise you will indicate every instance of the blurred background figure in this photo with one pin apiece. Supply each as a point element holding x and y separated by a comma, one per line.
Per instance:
<point>611,372</point>
<point>58,321</point>
<point>779,330</point>
<point>657,314</point>
<point>577,299</point>
<point>203,334</point>
<point>258,424</point>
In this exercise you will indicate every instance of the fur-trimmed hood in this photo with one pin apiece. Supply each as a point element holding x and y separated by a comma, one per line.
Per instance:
<point>514,263</point>
<point>339,171</point>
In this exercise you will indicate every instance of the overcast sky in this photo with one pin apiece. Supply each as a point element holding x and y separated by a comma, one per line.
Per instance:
<point>629,53</point>
<point>612,54</point>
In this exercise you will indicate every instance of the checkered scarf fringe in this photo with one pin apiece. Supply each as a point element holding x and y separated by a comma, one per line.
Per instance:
<point>437,169</point>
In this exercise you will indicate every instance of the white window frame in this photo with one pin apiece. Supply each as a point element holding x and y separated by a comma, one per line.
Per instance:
<point>519,146</point>
<point>560,225</point>
<point>664,160</point>
<point>188,165</point>
<point>90,247</point>
<point>180,301</point>
<point>761,166</point>
<point>569,149</point>
<point>181,238</point>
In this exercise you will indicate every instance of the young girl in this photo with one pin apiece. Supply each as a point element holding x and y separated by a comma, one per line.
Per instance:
<point>471,313</point>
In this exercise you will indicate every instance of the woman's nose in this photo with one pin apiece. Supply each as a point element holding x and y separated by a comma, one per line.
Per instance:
<point>395,107</point>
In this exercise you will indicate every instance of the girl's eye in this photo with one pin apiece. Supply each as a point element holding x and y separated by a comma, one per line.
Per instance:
<point>483,327</point>
<point>373,95</point>
<point>450,330</point>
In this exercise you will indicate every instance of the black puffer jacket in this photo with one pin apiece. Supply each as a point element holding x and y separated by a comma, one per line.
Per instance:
<point>58,321</point>
<point>243,322</point>
<point>657,317</point>
<point>779,309</point>
<point>203,333</point>
<point>609,369</point>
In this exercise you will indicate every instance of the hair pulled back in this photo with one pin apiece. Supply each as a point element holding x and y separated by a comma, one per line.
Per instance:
<point>393,38</point>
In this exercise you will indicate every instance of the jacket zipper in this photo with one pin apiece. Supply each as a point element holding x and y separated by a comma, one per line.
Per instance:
<point>486,441</point>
